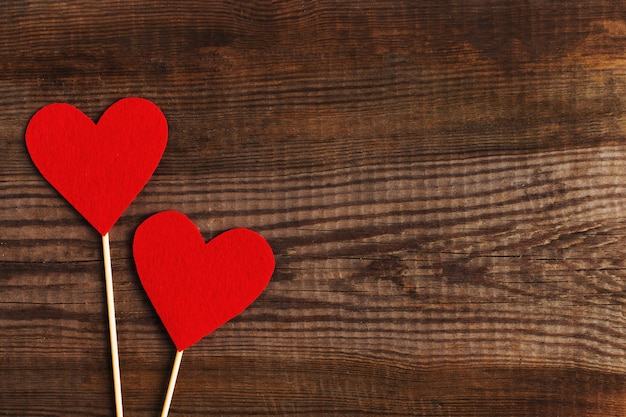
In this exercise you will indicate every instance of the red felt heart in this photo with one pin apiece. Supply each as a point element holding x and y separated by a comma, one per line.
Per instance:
<point>197,287</point>
<point>99,168</point>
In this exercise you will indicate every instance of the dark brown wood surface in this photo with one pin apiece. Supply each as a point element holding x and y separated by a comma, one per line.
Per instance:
<point>443,184</point>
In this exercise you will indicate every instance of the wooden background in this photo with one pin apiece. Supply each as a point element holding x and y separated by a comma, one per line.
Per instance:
<point>443,184</point>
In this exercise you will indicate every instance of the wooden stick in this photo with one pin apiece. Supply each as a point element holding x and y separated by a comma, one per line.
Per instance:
<point>170,386</point>
<point>115,361</point>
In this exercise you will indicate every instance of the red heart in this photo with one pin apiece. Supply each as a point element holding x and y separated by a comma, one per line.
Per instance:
<point>197,287</point>
<point>99,168</point>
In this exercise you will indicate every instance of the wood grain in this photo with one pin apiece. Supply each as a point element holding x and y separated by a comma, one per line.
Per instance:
<point>442,184</point>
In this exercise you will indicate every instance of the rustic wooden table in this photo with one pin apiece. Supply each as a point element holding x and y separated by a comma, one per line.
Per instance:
<point>443,184</point>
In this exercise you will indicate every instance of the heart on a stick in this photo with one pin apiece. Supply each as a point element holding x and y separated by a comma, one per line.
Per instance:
<point>194,286</point>
<point>98,168</point>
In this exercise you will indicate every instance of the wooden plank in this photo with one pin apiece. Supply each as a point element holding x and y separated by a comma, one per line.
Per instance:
<point>442,184</point>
